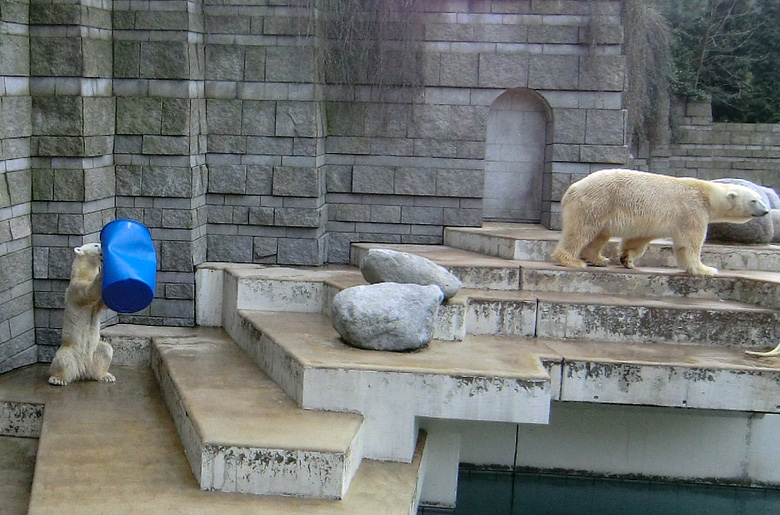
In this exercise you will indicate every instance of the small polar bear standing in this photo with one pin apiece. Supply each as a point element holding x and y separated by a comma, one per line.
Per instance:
<point>639,207</point>
<point>82,355</point>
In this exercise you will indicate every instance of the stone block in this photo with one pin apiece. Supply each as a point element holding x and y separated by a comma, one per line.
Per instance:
<point>501,33</point>
<point>289,64</point>
<point>602,72</point>
<point>294,181</point>
<point>161,20</point>
<point>16,118</point>
<point>269,146</point>
<point>264,248</point>
<point>462,217</point>
<point>345,118</point>
<point>259,180</point>
<point>44,223</point>
<point>55,14</point>
<point>70,224</point>
<point>258,118</point>
<point>97,58</point>
<point>138,115</point>
<point>226,144</point>
<point>227,179</point>
<point>604,154</point>
<point>224,62</point>
<point>421,215</point>
<point>224,116</point>
<point>373,179</point>
<point>166,145</point>
<point>14,55</point>
<point>459,70</point>
<point>469,122</point>
<point>569,126</point>
<point>222,24</point>
<point>504,70</point>
<point>460,183</point>
<point>165,60</point>
<point>553,72</point>
<point>299,251</point>
<point>57,57</point>
<point>605,127</point>
<point>297,119</point>
<point>220,214</point>
<point>553,34</point>
<point>176,256</point>
<point>254,63</point>
<point>296,217</point>
<point>57,146</point>
<point>338,178</point>
<point>261,215</point>
<point>69,185</point>
<point>99,115</point>
<point>166,181</point>
<point>431,121</point>
<point>233,248</point>
<point>99,183</point>
<point>19,186</point>
<point>385,214</point>
<point>351,213</point>
<point>128,180</point>
<point>415,181</point>
<point>176,116</point>
<point>57,116</point>
<point>127,59</point>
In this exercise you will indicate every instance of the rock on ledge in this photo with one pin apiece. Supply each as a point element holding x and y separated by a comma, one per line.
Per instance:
<point>387,316</point>
<point>382,265</point>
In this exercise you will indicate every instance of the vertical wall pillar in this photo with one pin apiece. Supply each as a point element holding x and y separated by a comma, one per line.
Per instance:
<point>160,144</point>
<point>17,334</point>
<point>71,146</point>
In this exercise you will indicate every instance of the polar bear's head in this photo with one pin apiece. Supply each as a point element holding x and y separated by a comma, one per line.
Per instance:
<point>89,250</point>
<point>742,204</point>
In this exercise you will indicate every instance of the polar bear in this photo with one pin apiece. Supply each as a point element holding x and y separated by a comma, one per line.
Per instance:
<point>639,207</point>
<point>82,355</point>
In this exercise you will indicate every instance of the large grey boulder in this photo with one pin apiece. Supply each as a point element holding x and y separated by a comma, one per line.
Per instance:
<point>757,230</point>
<point>387,316</point>
<point>382,265</point>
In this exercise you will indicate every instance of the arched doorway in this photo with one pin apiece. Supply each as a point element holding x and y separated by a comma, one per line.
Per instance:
<point>514,157</point>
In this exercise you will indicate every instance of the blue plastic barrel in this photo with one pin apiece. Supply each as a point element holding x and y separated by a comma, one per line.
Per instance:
<point>129,266</point>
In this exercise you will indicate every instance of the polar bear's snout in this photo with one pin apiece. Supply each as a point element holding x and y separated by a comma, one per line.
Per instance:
<point>759,208</point>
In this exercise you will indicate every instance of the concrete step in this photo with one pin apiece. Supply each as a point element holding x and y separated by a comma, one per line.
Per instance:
<point>474,379</point>
<point>613,318</point>
<point>242,433</point>
<point>114,448</point>
<point>529,242</point>
<point>681,376</point>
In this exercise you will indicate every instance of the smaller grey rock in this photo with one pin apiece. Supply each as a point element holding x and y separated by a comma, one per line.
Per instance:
<point>383,265</point>
<point>387,316</point>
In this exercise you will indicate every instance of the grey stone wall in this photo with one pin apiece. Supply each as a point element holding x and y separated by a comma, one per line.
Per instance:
<point>707,150</point>
<point>210,121</point>
<point>17,335</point>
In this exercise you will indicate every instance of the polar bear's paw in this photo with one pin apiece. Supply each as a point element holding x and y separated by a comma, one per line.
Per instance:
<point>704,271</point>
<point>566,259</point>
<point>57,381</point>
<point>596,260</point>
<point>108,378</point>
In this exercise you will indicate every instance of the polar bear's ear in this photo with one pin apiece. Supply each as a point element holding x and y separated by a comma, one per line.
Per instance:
<point>78,250</point>
<point>732,194</point>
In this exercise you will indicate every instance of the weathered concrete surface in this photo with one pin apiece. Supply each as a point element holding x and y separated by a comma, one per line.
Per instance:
<point>385,265</point>
<point>17,464</point>
<point>259,441</point>
<point>387,316</point>
<point>123,455</point>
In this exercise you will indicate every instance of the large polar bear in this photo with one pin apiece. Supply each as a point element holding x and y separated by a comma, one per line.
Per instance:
<point>82,355</point>
<point>639,207</point>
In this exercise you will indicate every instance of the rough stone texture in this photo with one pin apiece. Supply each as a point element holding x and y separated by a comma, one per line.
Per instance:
<point>387,316</point>
<point>757,230</point>
<point>383,265</point>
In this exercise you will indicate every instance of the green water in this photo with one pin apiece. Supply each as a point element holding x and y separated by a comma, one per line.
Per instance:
<point>502,493</point>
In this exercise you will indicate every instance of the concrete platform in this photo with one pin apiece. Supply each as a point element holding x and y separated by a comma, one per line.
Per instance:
<point>529,242</point>
<point>113,448</point>
<point>242,433</point>
<point>475,379</point>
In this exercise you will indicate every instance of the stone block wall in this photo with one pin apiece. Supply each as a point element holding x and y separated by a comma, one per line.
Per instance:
<point>17,334</point>
<point>707,150</point>
<point>215,123</point>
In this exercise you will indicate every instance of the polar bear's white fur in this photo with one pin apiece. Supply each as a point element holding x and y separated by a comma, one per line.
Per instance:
<point>82,355</point>
<point>639,207</point>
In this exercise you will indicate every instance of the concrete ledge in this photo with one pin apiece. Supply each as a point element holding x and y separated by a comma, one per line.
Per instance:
<point>242,433</point>
<point>476,379</point>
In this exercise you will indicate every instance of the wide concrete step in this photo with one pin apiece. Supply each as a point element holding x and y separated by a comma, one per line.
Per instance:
<point>242,433</point>
<point>473,379</point>
<point>113,448</point>
<point>681,376</point>
<point>529,242</point>
<point>608,318</point>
